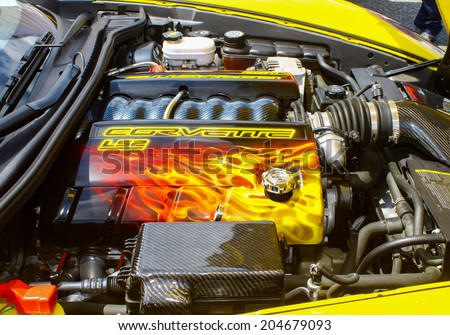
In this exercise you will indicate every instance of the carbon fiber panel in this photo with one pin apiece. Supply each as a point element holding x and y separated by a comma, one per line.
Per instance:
<point>121,108</point>
<point>176,264</point>
<point>263,109</point>
<point>425,128</point>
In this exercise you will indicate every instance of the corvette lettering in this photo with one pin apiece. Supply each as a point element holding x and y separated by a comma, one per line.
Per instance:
<point>201,132</point>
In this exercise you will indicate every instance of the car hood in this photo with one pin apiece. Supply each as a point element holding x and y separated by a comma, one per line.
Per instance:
<point>444,8</point>
<point>325,17</point>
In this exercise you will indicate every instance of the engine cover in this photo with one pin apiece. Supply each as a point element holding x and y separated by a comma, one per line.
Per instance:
<point>140,171</point>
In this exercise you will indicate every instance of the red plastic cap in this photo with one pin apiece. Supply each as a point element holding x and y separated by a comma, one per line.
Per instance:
<point>30,299</point>
<point>157,68</point>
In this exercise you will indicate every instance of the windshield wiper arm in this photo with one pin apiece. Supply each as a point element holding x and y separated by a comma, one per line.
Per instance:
<point>84,19</point>
<point>23,75</point>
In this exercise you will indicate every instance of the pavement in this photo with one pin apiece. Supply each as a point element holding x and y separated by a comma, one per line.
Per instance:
<point>403,11</point>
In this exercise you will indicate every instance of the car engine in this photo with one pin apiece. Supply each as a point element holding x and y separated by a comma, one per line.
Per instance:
<point>222,173</point>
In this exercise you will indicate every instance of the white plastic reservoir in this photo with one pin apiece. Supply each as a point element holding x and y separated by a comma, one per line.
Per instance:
<point>199,49</point>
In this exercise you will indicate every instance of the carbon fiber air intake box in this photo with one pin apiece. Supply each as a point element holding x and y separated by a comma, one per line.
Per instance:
<point>205,268</point>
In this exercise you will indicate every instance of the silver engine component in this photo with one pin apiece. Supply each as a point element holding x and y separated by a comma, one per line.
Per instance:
<point>291,65</point>
<point>331,144</point>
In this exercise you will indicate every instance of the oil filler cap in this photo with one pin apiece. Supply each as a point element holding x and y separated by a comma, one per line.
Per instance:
<point>278,184</point>
<point>234,39</point>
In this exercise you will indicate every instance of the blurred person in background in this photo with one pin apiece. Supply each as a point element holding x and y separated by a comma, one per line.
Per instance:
<point>428,20</point>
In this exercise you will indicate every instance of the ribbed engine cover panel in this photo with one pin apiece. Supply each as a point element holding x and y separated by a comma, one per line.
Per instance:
<point>262,109</point>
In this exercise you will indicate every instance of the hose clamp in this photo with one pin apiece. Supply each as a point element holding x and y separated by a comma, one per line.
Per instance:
<point>395,122</point>
<point>373,122</point>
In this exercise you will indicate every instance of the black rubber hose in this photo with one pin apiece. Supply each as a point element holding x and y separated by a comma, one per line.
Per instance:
<point>393,188</point>
<point>296,292</point>
<point>368,174</point>
<point>373,229</point>
<point>386,281</point>
<point>395,244</point>
<point>419,209</point>
<point>363,126</point>
<point>396,265</point>
<point>404,211</point>
<point>428,259</point>
<point>349,265</point>
<point>402,207</point>
<point>430,275</point>
<point>334,113</point>
<point>356,115</point>
<point>342,280</point>
<point>342,75</point>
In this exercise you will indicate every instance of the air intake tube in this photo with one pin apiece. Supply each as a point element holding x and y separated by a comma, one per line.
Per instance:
<point>425,128</point>
<point>386,122</point>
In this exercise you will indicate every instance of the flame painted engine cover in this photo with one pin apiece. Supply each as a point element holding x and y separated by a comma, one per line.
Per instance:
<point>138,171</point>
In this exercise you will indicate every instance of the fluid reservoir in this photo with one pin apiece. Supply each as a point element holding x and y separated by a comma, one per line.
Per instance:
<point>179,50</point>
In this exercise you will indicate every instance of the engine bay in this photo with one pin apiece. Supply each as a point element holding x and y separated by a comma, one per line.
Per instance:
<point>219,172</point>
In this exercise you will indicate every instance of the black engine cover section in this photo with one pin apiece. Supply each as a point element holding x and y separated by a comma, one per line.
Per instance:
<point>235,85</point>
<point>205,267</point>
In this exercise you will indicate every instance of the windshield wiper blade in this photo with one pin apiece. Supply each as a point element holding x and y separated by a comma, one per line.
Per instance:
<point>23,75</point>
